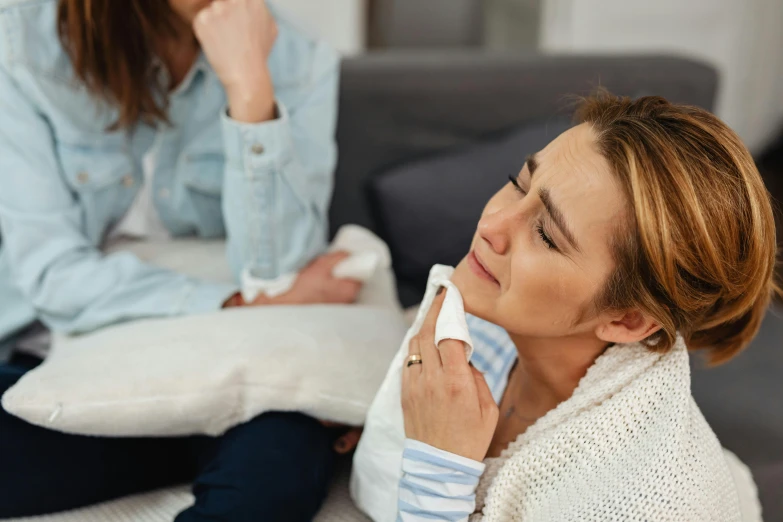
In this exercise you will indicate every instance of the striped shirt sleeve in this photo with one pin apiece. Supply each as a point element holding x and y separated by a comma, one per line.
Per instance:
<point>436,484</point>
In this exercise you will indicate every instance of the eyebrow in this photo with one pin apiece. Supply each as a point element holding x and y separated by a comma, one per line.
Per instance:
<point>558,217</point>
<point>532,163</point>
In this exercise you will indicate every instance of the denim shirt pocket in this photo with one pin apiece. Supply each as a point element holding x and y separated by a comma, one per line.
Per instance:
<point>201,173</point>
<point>103,180</point>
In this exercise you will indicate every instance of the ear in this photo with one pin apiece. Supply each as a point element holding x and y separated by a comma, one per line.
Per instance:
<point>629,327</point>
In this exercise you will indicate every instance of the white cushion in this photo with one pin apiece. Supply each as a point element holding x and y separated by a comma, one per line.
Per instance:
<point>203,374</point>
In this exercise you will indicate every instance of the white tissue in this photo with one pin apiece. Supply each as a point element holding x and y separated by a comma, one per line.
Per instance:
<point>368,254</point>
<point>451,323</point>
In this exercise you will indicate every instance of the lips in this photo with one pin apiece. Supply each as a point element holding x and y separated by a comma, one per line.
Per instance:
<point>479,268</point>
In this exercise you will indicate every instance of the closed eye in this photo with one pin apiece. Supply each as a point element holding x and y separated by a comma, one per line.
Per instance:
<point>539,228</point>
<point>514,181</point>
<point>545,238</point>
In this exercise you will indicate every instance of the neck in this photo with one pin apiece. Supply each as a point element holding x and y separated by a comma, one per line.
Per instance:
<point>183,30</point>
<point>549,370</point>
<point>178,51</point>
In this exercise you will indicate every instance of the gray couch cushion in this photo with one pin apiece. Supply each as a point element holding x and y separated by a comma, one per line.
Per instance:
<point>427,210</point>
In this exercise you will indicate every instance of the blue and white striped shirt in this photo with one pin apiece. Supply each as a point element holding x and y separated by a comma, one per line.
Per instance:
<point>436,484</point>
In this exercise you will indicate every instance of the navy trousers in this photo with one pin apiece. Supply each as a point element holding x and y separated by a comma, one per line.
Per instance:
<point>276,467</point>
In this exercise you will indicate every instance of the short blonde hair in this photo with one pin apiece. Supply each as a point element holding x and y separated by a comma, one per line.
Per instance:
<point>700,255</point>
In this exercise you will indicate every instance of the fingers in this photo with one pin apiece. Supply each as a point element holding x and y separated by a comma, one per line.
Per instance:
<point>346,291</point>
<point>424,345</point>
<point>413,346</point>
<point>217,8</point>
<point>452,356</point>
<point>429,352</point>
<point>330,260</point>
<point>347,442</point>
<point>430,357</point>
<point>489,407</point>
<point>451,353</point>
<point>414,370</point>
<point>234,301</point>
<point>428,326</point>
<point>409,372</point>
<point>341,291</point>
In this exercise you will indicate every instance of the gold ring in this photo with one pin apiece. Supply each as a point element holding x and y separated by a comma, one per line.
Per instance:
<point>413,359</point>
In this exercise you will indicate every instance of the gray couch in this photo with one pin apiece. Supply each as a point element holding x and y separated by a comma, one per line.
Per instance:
<point>400,108</point>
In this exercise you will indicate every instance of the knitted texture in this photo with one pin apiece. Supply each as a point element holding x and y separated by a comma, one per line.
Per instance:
<point>630,445</point>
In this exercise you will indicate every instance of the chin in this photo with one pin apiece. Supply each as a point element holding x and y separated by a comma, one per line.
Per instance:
<point>477,297</point>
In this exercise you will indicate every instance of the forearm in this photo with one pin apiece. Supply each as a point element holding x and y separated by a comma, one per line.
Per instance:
<point>253,102</point>
<point>436,485</point>
<point>75,290</point>
<point>279,178</point>
<point>274,226</point>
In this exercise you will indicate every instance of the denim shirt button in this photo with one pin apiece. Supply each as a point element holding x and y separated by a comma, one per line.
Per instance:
<point>127,180</point>
<point>257,149</point>
<point>82,177</point>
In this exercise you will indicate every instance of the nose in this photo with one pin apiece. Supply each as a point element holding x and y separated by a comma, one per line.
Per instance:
<point>494,228</point>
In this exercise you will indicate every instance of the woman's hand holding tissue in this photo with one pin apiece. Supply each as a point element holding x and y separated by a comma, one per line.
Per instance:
<point>315,284</point>
<point>446,402</point>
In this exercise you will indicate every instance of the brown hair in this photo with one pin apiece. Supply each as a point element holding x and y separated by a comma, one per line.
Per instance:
<point>701,261</point>
<point>111,44</point>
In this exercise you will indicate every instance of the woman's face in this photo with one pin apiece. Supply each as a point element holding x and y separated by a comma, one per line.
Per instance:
<point>188,9</point>
<point>542,251</point>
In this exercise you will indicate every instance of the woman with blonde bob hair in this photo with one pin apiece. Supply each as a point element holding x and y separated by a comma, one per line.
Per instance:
<point>640,233</point>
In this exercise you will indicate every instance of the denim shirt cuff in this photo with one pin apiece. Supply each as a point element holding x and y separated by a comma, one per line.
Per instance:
<point>255,147</point>
<point>206,297</point>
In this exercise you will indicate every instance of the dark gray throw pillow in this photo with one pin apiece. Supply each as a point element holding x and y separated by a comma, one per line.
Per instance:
<point>427,210</point>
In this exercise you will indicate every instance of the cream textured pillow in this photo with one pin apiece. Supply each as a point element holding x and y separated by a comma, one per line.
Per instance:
<point>204,374</point>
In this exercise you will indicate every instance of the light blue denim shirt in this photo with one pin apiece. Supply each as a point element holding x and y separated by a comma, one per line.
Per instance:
<point>65,180</point>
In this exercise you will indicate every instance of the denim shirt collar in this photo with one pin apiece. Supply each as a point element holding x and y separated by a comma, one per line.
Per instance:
<point>200,67</point>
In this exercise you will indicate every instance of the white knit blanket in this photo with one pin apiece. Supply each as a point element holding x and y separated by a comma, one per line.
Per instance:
<point>630,445</point>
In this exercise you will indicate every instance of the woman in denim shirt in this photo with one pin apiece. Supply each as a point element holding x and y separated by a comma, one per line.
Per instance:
<point>155,118</point>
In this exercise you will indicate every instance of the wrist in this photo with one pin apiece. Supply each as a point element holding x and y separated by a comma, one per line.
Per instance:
<point>252,101</point>
<point>287,298</point>
<point>265,300</point>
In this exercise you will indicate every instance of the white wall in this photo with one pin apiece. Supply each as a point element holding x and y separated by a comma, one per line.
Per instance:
<point>743,38</point>
<point>340,22</point>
